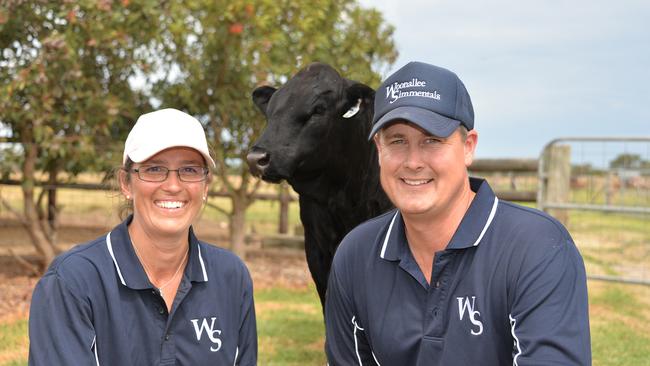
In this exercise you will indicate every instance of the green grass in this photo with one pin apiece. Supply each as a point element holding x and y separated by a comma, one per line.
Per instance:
<point>13,343</point>
<point>612,244</point>
<point>615,344</point>
<point>619,317</point>
<point>290,327</point>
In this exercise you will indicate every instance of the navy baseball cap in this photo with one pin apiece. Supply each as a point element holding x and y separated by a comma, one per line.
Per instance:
<point>429,96</point>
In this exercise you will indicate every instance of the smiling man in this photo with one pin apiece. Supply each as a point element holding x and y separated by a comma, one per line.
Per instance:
<point>453,276</point>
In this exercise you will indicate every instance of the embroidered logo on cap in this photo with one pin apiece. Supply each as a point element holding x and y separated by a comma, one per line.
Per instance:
<point>395,92</point>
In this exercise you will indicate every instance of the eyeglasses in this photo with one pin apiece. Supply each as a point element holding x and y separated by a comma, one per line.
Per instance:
<point>157,173</point>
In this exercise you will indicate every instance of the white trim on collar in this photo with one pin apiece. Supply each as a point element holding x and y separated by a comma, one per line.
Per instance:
<point>110,250</point>
<point>489,221</point>
<point>94,348</point>
<point>390,228</point>
<point>205,273</point>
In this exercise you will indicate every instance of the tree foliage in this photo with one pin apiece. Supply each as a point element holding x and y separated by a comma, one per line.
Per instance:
<point>219,51</point>
<point>65,93</point>
<point>629,161</point>
<point>67,70</point>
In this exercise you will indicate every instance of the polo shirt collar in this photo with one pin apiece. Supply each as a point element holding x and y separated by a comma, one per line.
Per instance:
<point>394,245</point>
<point>478,217</point>
<point>472,227</point>
<point>129,269</point>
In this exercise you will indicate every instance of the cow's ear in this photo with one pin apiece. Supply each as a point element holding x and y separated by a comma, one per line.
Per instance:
<point>357,96</point>
<point>356,90</point>
<point>262,95</point>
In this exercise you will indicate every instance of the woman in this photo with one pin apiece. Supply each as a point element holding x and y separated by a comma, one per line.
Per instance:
<point>149,292</point>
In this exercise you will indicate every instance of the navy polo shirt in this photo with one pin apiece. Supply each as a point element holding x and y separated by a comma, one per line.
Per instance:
<point>509,289</point>
<point>96,306</point>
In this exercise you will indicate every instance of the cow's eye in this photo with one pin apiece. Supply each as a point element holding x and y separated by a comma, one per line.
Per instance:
<point>319,109</point>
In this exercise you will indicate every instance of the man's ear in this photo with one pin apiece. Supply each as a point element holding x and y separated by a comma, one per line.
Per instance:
<point>261,97</point>
<point>470,146</point>
<point>376,139</point>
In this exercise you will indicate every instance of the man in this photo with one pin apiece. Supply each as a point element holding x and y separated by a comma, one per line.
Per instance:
<point>453,276</point>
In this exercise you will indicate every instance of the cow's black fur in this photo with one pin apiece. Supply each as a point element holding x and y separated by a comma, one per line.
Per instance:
<point>326,158</point>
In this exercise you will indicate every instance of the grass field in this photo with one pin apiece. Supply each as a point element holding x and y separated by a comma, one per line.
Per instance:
<point>290,321</point>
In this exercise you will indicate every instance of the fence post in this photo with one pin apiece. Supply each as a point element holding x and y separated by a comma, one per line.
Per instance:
<point>558,183</point>
<point>283,225</point>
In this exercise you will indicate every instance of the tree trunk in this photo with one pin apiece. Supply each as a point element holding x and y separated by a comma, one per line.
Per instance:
<point>52,226</point>
<point>238,225</point>
<point>31,222</point>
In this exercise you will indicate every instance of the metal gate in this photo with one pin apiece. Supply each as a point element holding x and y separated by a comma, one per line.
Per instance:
<point>600,189</point>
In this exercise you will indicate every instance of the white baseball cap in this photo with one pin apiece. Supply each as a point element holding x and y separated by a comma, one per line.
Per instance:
<point>159,130</point>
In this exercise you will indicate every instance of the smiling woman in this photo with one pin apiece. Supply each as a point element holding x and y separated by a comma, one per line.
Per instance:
<point>149,292</point>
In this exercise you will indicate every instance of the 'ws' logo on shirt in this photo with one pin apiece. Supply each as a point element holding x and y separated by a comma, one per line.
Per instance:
<point>464,305</point>
<point>212,333</point>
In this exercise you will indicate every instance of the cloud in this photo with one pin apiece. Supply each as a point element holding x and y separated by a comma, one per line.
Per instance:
<point>536,69</point>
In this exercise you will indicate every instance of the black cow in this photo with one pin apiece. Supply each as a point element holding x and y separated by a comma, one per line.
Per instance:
<point>316,139</point>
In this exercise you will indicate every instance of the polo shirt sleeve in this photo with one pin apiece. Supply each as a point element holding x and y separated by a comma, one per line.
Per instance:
<point>345,339</point>
<point>247,345</point>
<point>549,311</point>
<point>60,327</point>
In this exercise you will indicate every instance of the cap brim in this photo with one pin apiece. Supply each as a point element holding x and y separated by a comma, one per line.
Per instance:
<point>140,155</point>
<point>434,123</point>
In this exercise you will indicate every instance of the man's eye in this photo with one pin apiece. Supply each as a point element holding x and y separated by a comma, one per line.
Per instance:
<point>432,140</point>
<point>397,142</point>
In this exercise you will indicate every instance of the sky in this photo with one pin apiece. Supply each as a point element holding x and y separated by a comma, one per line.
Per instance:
<point>535,70</point>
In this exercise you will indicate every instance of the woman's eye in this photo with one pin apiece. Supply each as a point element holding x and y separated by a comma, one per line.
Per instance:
<point>154,169</point>
<point>190,169</point>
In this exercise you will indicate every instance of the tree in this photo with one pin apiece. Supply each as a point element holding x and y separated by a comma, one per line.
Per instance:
<point>65,92</point>
<point>217,52</point>
<point>629,161</point>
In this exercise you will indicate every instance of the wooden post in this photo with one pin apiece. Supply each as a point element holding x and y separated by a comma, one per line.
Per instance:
<point>558,179</point>
<point>283,226</point>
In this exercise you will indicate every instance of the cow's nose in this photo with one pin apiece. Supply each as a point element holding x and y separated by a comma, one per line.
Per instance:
<point>258,160</point>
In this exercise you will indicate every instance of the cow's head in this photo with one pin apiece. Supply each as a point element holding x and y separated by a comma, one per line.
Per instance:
<point>315,121</point>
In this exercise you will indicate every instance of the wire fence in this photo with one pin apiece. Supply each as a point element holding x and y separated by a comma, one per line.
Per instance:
<point>600,189</point>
